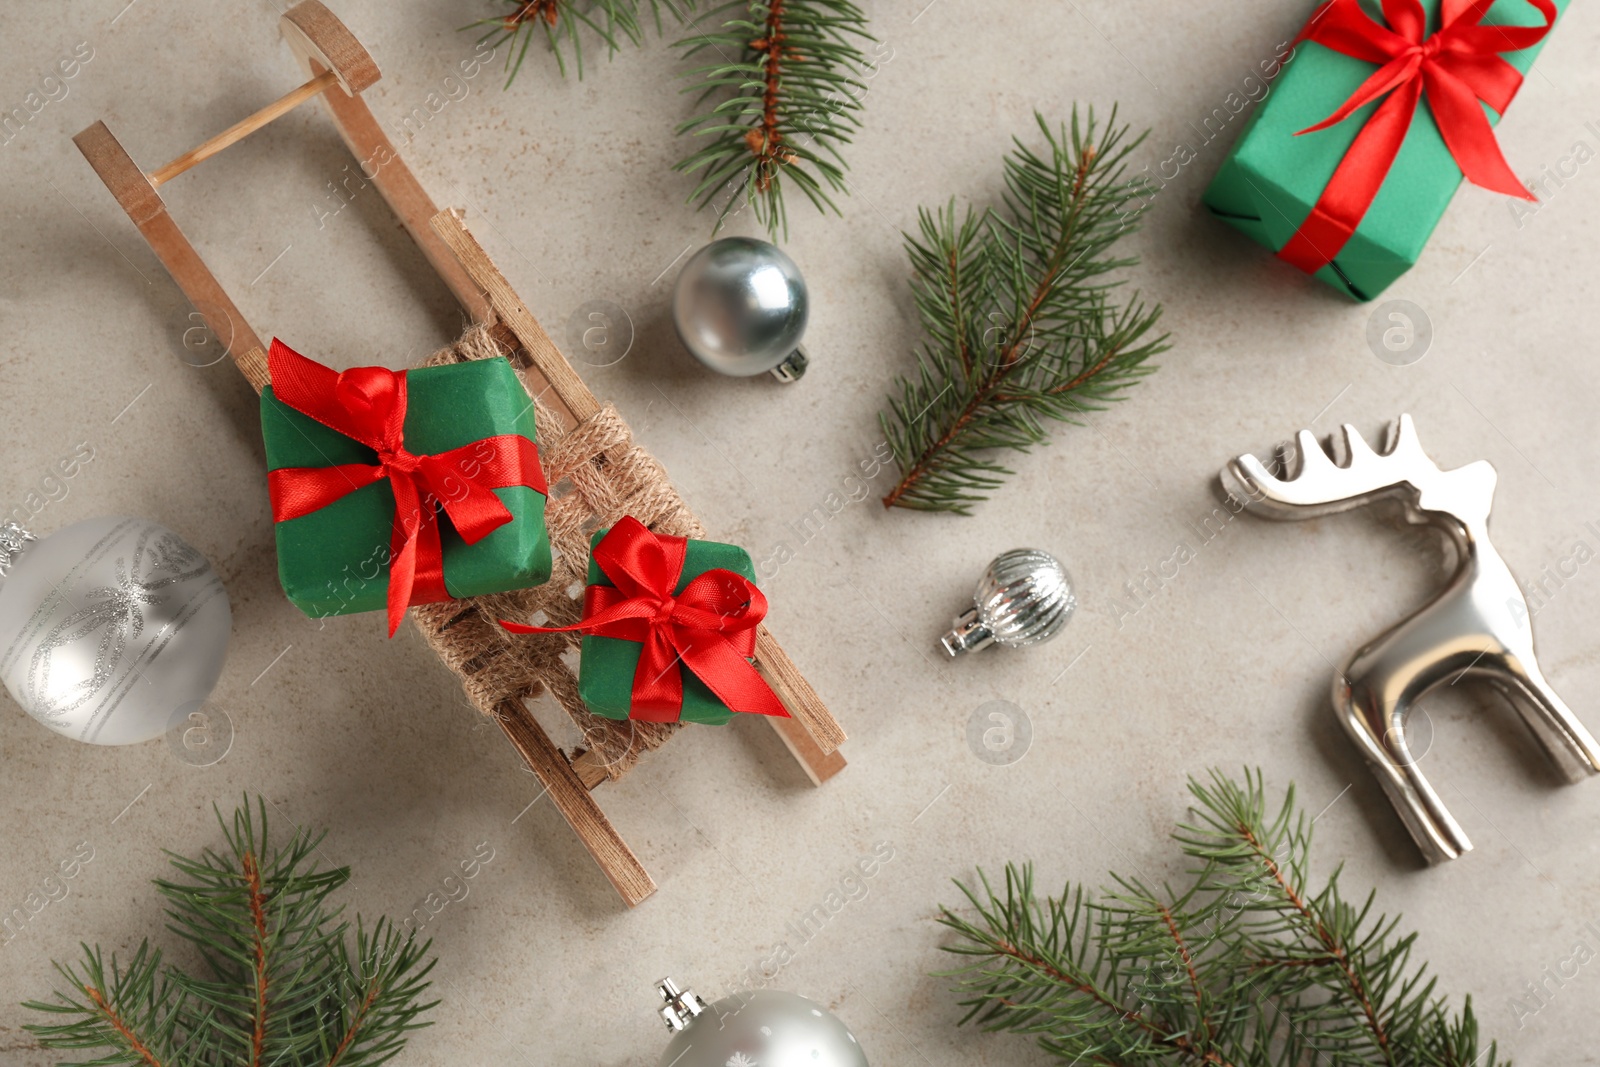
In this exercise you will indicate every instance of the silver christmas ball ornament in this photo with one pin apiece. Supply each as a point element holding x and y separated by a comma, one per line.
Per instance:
<point>762,1028</point>
<point>109,628</point>
<point>1024,597</point>
<point>740,307</point>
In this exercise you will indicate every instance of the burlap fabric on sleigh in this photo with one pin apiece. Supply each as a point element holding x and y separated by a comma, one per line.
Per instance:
<point>596,476</point>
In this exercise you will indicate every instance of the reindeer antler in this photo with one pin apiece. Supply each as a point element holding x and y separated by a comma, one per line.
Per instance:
<point>1315,484</point>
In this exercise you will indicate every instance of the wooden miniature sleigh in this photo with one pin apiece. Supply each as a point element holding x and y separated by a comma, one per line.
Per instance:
<point>596,474</point>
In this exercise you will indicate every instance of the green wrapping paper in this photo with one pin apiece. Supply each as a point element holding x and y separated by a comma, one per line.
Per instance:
<point>1271,179</point>
<point>607,664</point>
<point>334,561</point>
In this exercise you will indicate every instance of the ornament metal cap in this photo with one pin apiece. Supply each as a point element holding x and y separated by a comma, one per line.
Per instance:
<point>1023,598</point>
<point>682,1005</point>
<point>793,367</point>
<point>12,540</point>
<point>968,634</point>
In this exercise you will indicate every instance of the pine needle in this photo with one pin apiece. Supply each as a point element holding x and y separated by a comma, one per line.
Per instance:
<point>787,78</point>
<point>1247,966</point>
<point>565,23</point>
<point>285,985</point>
<point>1018,306</point>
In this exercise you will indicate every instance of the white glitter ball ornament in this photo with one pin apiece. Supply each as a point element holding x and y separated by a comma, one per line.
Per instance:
<point>762,1028</point>
<point>109,627</point>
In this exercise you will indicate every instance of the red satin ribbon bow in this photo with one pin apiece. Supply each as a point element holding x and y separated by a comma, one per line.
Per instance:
<point>710,627</point>
<point>1455,67</point>
<point>368,404</point>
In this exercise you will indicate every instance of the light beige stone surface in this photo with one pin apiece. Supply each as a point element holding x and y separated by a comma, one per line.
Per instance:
<point>568,184</point>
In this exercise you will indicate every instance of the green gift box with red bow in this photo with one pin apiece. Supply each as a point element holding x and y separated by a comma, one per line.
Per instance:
<point>396,488</point>
<point>669,628</point>
<point>1348,165</point>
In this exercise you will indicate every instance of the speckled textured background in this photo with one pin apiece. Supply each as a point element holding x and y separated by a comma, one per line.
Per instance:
<point>568,184</point>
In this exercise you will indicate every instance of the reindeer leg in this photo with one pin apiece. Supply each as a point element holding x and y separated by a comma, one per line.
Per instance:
<point>1567,741</point>
<point>1378,729</point>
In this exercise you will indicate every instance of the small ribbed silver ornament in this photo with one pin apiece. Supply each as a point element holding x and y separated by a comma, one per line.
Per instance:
<point>1024,597</point>
<point>740,306</point>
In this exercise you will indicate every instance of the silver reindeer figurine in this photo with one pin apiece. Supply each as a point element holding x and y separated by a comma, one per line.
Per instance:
<point>1476,626</point>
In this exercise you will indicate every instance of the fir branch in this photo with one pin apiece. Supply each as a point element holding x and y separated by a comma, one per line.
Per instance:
<point>1017,304</point>
<point>283,989</point>
<point>1319,942</point>
<point>787,81</point>
<point>124,1011</point>
<point>1246,966</point>
<point>1046,973</point>
<point>564,23</point>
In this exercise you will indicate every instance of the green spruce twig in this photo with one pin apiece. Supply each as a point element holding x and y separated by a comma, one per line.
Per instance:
<point>564,23</point>
<point>787,81</point>
<point>1021,321</point>
<point>285,985</point>
<point>1247,966</point>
